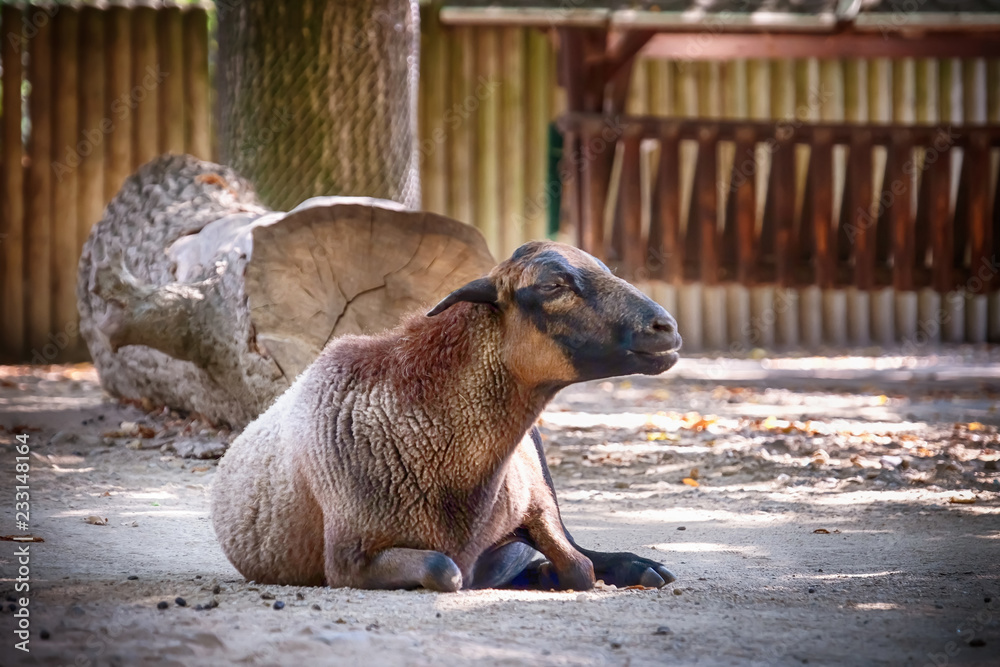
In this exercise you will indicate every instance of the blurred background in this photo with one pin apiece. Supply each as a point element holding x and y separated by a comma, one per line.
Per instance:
<point>781,176</point>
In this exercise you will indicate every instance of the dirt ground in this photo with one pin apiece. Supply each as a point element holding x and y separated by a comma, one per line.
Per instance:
<point>833,511</point>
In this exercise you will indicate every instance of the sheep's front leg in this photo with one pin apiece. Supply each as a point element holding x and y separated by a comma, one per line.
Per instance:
<point>573,570</point>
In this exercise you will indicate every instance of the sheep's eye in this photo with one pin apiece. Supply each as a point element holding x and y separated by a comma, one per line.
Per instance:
<point>551,288</point>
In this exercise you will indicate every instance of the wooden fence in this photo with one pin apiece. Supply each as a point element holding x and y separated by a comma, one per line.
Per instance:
<point>107,90</point>
<point>488,96</point>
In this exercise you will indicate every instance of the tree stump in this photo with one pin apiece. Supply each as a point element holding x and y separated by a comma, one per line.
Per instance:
<point>193,295</point>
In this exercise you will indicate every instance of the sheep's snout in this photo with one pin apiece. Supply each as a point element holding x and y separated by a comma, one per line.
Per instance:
<point>658,337</point>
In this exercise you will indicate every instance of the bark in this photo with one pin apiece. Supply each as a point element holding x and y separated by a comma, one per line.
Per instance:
<point>195,296</point>
<point>318,97</point>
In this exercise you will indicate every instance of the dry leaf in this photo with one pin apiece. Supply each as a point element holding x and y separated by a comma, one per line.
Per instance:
<point>96,520</point>
<point>822,531</point>
<point>689,481</point>
<point>976,426</point>
<point>962,501</point>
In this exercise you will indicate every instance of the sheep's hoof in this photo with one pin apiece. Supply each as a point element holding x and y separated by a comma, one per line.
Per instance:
<point>627,569</point>
<point>441,574</point>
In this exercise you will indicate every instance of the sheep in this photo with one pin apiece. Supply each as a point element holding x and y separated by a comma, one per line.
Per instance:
<point>409,459</point>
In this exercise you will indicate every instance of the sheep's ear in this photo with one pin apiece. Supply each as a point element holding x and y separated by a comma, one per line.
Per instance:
<point>480,290</point>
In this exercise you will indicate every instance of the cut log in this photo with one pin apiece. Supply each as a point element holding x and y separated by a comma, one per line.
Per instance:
<point>193,295</point>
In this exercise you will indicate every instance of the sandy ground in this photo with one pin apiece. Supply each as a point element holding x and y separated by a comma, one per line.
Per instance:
<point>818,524</point>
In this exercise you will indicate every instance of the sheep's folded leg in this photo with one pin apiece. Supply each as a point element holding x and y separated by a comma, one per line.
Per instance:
<point>399,568</point>
<point>617,568</point>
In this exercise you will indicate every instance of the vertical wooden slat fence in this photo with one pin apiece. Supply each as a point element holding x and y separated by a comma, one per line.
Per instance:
<point>806,255</point>
<point>107,90</point>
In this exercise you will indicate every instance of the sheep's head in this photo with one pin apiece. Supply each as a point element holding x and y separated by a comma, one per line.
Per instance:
<point>567,318</point>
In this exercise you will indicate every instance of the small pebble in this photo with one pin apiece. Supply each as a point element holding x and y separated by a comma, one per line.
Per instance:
<point>198,607</point>
<point>162,604</point>
<point>44,634</point>
<point>132,577</point>
<point>581,597</point>
<point>939,606</point>
<point>181,602</point>
<point>437,615</point>
<point>266,596</point>
<point>812,590</point>
<point>677,591</point>
<point>681,527</point>
<point>663,630</point>
<point>278,605</point>
<point>616,643</point>
<point>977,642</point>
<point>987,600</point>
<point>217,589</point>
<point>197,576</point>
<point>316,607</point>
<point>300,596</point>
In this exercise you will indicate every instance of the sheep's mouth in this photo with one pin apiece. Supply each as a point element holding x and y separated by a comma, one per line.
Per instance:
<point>660,359</point>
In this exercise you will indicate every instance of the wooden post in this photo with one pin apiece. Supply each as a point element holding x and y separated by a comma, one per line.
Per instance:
<point>513,156</point>
<point>38,194</point>
<point>143,98</point>
<point>596,174</point>
<point>858,236</point>
<point>823,237</point>
<point>488,218</point>
<point>708,213</point>
<point>630,201</point>
<point>938,177</point>
<point>783,210</point>
<point>67,152</point>
<point>462,140</point>
<point>898,186</point>
<point>94,124</point>
<point>11,190</point>
<point>664,232</point>
<point>118,84</point>
<point>197,108</point>
<point>434,97</point>
<point>537,134</point>
<point>978,216</point>
<point>170,46</point>
<point>860,222</point>
<point>743,191</point>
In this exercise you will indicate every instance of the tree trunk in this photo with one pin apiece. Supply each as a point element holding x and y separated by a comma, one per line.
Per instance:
<point>318,97</point>
<point>195,296</point>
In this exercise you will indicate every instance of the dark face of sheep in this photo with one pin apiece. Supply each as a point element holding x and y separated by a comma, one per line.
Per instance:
<point>567,318</point>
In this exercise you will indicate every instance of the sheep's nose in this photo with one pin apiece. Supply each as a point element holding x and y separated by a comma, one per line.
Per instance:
<point>660,335</point>
<point>664,324</point>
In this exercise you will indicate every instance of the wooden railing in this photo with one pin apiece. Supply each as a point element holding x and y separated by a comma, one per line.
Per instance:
<point>915,231</point>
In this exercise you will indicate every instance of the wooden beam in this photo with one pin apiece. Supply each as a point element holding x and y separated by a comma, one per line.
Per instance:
<point>897,189</point>
<point>695,46</point>
<point>664,232</point>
